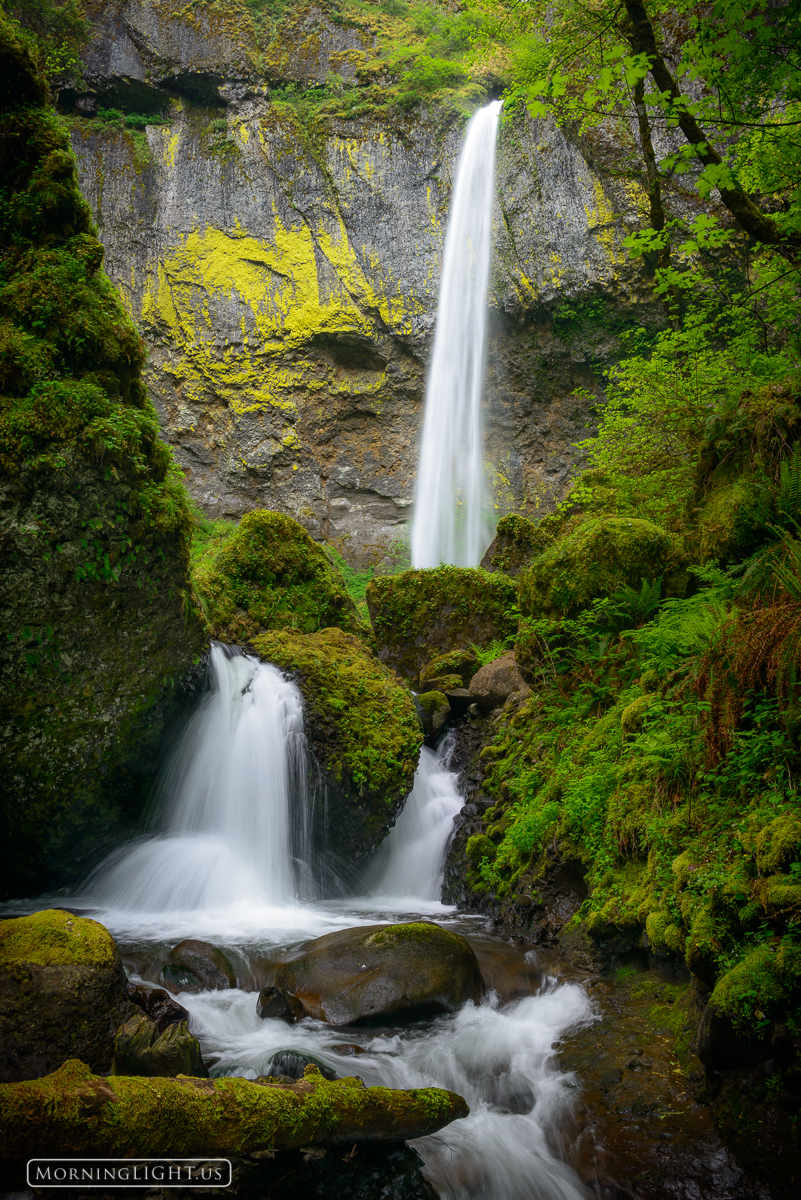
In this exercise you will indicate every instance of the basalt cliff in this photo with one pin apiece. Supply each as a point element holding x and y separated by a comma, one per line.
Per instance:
<point>283,264</point>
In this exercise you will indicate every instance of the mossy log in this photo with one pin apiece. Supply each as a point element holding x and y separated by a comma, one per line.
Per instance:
<point>75,1112</point>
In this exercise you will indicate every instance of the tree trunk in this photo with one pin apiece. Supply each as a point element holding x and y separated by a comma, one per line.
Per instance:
<point>74,1112</point>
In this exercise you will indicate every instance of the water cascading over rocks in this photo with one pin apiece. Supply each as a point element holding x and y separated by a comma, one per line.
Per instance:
<point>451,522</point>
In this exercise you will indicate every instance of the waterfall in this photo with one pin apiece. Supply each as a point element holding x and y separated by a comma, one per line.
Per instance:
<point>450,517</point>
<point>234,801</point>
<point>411,862</point>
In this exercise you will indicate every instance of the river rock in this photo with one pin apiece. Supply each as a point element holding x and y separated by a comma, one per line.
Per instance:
<point>141,1048</point>
<point>62,994</point>
<point>158,1004</point>
<point>272,1005</point>
<point>496,681</point>
<point>291,1064</point>
<point>381,971</point>
<point>196,966</point>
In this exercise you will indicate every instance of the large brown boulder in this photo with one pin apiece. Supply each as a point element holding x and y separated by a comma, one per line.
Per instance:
<point>494,683</point>
<point>62,994</point>
<point>381,971</point>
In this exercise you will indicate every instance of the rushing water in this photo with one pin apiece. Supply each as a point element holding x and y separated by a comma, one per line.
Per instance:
<point>235,802</point>
<point>451,510</point>
<point>224,868</point>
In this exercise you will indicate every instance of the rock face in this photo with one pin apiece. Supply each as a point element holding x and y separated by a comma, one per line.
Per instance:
<point>285,276</point>
<point>381,971</point>
<point>62,994</point>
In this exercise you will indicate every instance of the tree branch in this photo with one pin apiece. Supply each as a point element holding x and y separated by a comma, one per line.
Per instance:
<point>747,214</point>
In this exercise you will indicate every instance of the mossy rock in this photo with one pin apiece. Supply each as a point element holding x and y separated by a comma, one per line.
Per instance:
<point>62,993</point>
<point>141,1049</point>
<point>519,540</point>
<point>480,847</point>
<point>420,614</point>
<point>761,985</point>
<point>594,560</point>
<point>270,574</point>
<point>435,710</point>
<point>98,619</point>
<point>779,844</point>
<point>363,727</point>
<point>463,663</point>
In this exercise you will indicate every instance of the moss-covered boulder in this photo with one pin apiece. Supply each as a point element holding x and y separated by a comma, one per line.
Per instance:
<point>418,614</point>
<point>62,993</point>
<point>95,603</point>
<point>269,574</point>
<point>463,663</point>
<point>598,557</point>
<point>363,728</point>
<point>380,971</point>
<point>517,541</point>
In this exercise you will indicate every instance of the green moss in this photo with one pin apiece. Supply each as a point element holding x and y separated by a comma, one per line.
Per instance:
<point>480,847</point>
<point>419,614</point>
<point>759,986</point>
<point>75,1112</point>
<point>55,938</point>
<point>596,559</point>
<point>517,542</point>
<point>96,607</point>
<point>779,844</point>
<point>269,574</point>
<point>463,663</point>
<point>363,724</point>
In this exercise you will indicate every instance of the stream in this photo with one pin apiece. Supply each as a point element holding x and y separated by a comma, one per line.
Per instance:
<point>228,866</point>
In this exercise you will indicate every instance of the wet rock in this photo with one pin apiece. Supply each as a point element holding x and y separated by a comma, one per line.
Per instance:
<point>379,971</point>
<point>142,1049</point>
<point>197,966</point>
<point>291,1064</point>
<point>718,1045</point>
<point>63,994</point>
<point>495,682</point>
<point>272,1005</point>
<point>158,1004</point>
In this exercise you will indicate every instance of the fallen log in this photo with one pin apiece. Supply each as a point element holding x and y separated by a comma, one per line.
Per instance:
<point>77,1113</point>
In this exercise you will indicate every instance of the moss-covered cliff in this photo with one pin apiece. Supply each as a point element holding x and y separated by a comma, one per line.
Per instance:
<point>97,618</point>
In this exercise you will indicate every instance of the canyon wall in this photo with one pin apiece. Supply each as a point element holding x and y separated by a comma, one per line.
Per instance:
<point>284,270</point>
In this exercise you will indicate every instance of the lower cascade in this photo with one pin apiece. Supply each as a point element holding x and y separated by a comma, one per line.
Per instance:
<point>234,800</point>
<point>236,813</point>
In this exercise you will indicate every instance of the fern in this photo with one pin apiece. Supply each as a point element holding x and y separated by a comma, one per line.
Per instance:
<point>788,499</point>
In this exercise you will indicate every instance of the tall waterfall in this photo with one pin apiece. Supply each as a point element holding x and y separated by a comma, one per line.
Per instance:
<point>234,802</point>
<point>450,516</point>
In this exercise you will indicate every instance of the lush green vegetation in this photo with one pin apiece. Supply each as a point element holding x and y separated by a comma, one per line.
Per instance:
<point>267,573</point>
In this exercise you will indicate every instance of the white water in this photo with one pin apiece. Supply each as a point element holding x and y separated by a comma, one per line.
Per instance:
<point>235,796</point>
<point>224,870</point>
<point>451,522</point>
<point>411,862</point>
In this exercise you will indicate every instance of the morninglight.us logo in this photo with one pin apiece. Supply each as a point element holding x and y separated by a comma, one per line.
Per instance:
<point>128,1172</point>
